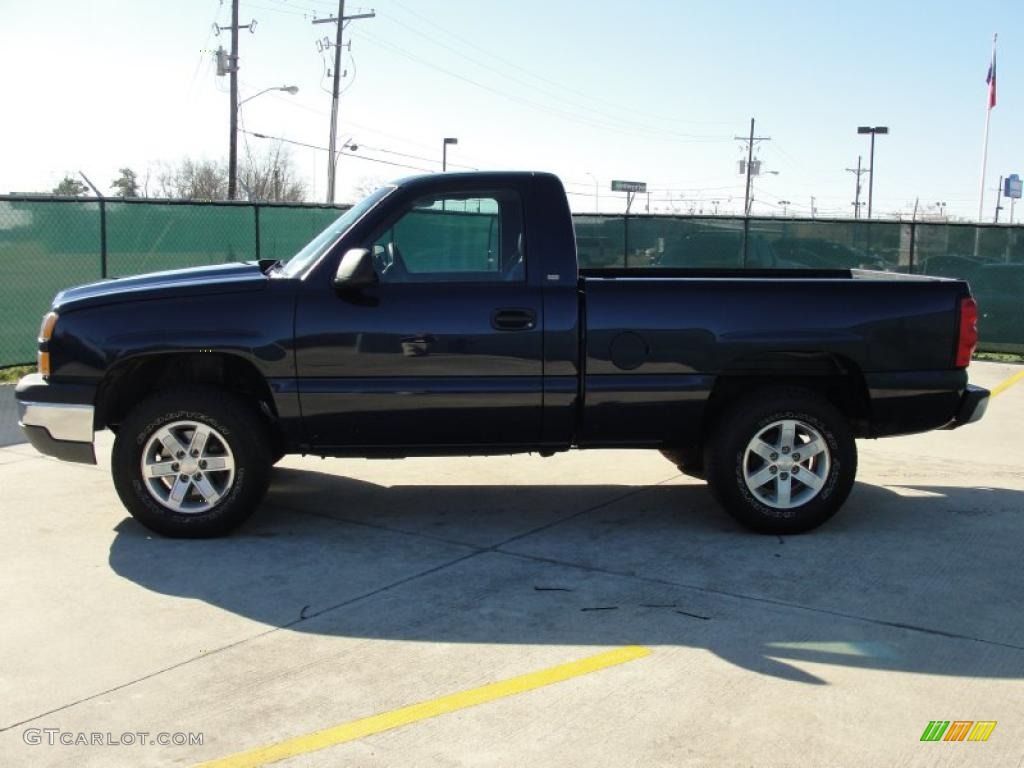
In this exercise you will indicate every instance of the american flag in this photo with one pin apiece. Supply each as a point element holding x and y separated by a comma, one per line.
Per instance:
<point>991,80</point>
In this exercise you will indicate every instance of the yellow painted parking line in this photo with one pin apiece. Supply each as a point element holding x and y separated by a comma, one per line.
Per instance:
<point>357,729</point>
<point>1005,385</point>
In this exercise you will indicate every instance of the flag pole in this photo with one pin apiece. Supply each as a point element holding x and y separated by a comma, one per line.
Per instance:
<point>988,123</point>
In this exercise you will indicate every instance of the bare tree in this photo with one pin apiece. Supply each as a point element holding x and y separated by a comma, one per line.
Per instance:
<point>193,180</point>
<point>269,176</point>
<point>272,176</point>
<point>366,185</point>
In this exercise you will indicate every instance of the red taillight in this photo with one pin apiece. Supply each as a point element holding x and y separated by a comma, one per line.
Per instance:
<point>968,338</point>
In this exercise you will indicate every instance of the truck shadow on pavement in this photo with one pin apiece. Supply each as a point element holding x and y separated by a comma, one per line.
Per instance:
<point>922,579</point>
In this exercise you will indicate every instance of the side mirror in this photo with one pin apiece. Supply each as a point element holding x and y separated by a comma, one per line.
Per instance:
<point>355,269</point>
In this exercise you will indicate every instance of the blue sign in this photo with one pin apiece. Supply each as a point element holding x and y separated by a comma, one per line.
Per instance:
<point>1012,186</point>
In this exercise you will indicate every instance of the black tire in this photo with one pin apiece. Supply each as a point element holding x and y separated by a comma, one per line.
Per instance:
<point>245,436</point>
<point>689,461</point>
<point>727,462</point>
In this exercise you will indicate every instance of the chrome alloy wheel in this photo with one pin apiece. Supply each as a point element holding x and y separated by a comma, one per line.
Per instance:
<point>187,466</point>
<point>786,463</point>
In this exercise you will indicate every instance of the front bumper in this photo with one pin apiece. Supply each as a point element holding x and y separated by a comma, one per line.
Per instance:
<point>972,407</point>
<point>55,419</point>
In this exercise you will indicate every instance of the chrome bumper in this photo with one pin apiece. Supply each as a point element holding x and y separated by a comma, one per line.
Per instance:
<point>59,429</point>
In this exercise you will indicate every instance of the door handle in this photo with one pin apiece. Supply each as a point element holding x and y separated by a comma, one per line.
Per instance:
<point>511,319</point>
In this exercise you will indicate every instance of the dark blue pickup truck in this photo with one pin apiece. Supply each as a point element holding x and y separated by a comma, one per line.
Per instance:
<point>446,315</point>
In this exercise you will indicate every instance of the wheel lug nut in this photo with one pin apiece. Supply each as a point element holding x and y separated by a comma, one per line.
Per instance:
<point>795,470</point>
<point>784,476</point>
<point>202,464</point>
<point>195,454</point>
<point>796,457</point>
<point>774,456</point>
<point>181,454</point>
<point>785,450</point>
<point>174,467</point>
<point>773,469</point>
<point>197,476</point>
<point>184,478</point>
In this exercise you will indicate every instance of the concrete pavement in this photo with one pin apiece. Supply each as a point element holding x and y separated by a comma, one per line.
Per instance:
<point>10,433</point>
<point>366,586</point>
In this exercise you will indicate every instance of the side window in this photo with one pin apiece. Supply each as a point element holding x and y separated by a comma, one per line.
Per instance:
<point>472,237</point>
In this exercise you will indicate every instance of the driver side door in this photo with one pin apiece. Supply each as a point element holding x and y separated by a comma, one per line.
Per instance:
<point>444,351</point>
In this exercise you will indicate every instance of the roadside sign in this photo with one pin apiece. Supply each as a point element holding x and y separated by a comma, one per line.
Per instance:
<point>629,186</point>
<point>1012,186</point>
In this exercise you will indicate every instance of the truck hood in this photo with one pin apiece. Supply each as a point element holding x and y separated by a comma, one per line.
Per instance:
<point>219,278</point>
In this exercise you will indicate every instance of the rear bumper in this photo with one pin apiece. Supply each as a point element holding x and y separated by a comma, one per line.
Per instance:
<point>972,407</point>
<point>55,421</point>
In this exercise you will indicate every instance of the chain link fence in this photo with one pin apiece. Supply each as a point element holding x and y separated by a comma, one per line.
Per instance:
<point>990,257</point>
<point>48,244</point>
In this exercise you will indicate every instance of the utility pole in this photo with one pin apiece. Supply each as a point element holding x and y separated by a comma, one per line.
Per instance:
<point>856,200</point>
<point>750,161</point>
<point>746,198</point>
<point>339,20</point>
<point>999,198</point>
<point>232,69</point>
<point>233,150</point>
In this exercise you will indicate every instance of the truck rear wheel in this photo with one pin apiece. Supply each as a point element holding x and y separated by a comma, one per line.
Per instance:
<point>192,462</point>
<point>783,461</point>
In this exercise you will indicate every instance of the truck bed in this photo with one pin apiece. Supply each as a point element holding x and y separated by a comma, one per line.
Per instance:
<point>658,340</point>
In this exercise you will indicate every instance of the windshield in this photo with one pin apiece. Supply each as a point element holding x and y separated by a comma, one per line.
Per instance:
<point>308,256</point>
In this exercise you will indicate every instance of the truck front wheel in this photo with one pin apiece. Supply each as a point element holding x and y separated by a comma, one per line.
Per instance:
<point>783,461</point>
<point>192,462</point>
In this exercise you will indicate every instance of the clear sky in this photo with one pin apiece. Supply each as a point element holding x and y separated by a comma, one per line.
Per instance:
<point>648,90</point>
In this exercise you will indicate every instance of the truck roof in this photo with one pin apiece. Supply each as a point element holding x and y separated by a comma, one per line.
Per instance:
<point>475,177</point>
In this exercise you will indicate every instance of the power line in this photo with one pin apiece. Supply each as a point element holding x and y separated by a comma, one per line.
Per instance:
<point>326,149</point>
<point>370,128</point>
<point>590,122</point>
<point>416,157</point>
<point>204,50</point>
<point>617,106</point>
<point>601,114</point>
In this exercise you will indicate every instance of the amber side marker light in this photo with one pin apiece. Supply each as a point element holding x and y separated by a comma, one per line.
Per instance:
<point>45,333</point>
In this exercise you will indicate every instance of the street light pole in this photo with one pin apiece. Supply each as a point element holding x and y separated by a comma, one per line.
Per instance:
<point>290,89</point>
<point>233,157</point>
<point>444,152</point>
<point>877,130</point>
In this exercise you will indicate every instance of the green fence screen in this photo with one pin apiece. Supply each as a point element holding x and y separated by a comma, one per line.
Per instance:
<point>49,244</point>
